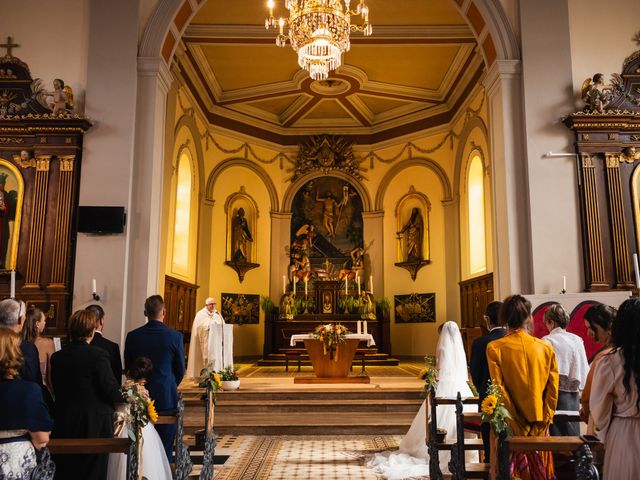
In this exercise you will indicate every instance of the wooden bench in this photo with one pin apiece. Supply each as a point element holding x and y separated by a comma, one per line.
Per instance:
<point>296,354</point>
<point>458,467</point>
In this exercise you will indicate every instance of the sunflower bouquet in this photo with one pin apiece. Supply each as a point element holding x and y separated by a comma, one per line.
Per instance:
<point>430,377</point>
<point>210,378</point>
<point>493,410</point>
<point>330,335</point>
<point>142,409</point>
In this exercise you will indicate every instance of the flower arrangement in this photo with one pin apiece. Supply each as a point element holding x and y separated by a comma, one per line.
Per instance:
<point>228,374</point>
<point>430,377</point>
<point>330,335</point>
<point>493,410</point>
<point>210,378</point>
<point>142,409</point>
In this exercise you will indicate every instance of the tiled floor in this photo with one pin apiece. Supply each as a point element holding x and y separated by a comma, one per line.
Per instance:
<point>300,457</point>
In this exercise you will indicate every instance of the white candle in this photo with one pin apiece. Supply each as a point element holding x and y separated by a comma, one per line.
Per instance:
<point>359,327</point>
<point>93,285</point>
<point>346,286</point>
<point>358,283</point>
<point>284,284</point>
<point>564,283</point>
<point>13,284</point>
<point>306,286</point>
<point>371,284</point>
<point>295,280</point>
<point>364,327</point>
<point>636,269</point>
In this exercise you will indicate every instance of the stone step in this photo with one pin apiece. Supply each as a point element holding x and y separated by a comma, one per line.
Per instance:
<point>337,393</point>
<point>293,362</point>
<point>384,406</point>
<point>306,423</point>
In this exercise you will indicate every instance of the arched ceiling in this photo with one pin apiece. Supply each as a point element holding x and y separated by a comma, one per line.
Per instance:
<point>413,73</point>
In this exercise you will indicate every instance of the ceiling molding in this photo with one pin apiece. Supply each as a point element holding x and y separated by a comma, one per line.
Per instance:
<point>201,33</point>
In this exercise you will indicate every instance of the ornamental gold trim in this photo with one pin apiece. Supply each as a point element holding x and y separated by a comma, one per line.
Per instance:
<point>595,251</point>
<point>618,223</point>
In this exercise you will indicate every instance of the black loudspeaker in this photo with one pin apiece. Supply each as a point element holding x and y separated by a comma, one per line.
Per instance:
<point>101,220</point>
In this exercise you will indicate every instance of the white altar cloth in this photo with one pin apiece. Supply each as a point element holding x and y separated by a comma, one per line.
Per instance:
<point>355,336</point>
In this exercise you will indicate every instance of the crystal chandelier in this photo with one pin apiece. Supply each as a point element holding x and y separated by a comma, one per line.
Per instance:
<point>319,31</point>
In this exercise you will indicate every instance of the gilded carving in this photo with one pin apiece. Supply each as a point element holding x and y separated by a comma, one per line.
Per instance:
<point>587,161</point>
<point>585,136</point>
<point>66,163</point>
<point>42,163</point>
<point>326,153</point>
<point>11,140</point>
<point>630,154</point>
<point>613,161</point>
<point>24,159</point>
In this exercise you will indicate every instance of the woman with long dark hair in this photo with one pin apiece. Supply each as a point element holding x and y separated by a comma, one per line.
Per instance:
<point>615,395</point>
<point>33,331</point>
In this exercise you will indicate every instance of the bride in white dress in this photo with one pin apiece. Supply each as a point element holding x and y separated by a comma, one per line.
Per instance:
<point>155,465</point>
<point>412,458</point>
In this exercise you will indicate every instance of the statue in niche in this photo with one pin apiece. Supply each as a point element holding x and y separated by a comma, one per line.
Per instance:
<point>8,201</point>
<point>413,232</point>
<point>241,236</point>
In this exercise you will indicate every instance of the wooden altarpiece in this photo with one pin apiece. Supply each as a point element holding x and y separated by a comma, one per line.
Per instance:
<point>44,150</point>
<point>608,153</point>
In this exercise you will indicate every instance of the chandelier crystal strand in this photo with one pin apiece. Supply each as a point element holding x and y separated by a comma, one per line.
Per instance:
<point>318,31</point>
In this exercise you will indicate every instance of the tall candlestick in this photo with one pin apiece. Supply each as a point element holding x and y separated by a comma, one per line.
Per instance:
<point>13,284</point>
<point>564,283</point>
<point>346,286</point>
<point>371,284</point>
<point>364,327</point>
<point>306,286</point>
<point>295,280</point>
<point>358,283</point>
<point>284,284</point>
<point>636,269</point>
<point>93,285</point>
<point>359,327</point>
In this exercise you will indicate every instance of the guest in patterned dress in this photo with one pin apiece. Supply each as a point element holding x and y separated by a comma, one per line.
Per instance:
<point>615,396</point>
<point>25,423</point>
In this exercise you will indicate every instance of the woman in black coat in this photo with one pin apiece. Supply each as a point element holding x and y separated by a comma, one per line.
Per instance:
<point>85,391</point>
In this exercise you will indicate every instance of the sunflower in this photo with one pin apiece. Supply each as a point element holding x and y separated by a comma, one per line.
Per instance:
<point>423,373</point>
<point>489,404</point>
<point>216,378</point>
<point>151,411</point>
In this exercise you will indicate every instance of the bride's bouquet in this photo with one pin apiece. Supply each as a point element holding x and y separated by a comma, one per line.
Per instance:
<point>430,377</point>
<point>141,408</point>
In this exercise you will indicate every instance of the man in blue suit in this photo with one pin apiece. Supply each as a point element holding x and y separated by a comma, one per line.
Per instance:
<point>478,364</point>
<point>163,346</point>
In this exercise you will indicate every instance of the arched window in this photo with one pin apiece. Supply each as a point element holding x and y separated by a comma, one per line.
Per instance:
<point>182,221</point>
<point>476,216</point>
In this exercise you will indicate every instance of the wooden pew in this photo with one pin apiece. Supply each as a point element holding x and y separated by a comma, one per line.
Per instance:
<point>183,465</point>
<point>458,466</point>
<point>584,467</point>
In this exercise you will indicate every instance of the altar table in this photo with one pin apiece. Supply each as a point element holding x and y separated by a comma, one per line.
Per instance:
<point>332,368</point>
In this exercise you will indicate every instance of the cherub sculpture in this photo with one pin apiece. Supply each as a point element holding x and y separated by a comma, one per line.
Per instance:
<point>597,95</point>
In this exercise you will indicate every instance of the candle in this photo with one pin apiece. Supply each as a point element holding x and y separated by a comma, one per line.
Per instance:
<point>93,284</point>
<point>564,283</point>
<point>636,269</point>
<point>371,284</point>
<point>359,327</point>
<point>295,280</point>
<point>306,286</point>
<point>284,284</point>
<point>364,327</point>
<point>13,284</point>
<point>346,286</point>
<point>358,283</point>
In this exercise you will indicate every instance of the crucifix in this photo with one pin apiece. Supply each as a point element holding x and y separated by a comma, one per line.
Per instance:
<point>9,46</point>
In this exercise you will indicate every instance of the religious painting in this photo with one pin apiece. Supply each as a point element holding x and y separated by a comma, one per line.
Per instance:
<point>415,308</point>
<point>11,194</point>
<point>326,220</point>
<point>241,308</point>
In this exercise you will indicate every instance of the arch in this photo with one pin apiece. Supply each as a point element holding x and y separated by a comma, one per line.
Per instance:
<point>413,162</point>
<point>189,123</point>
<point>295,186</point>
<point>242,162</point>
<point>487,18</point>
<point>470,126</point>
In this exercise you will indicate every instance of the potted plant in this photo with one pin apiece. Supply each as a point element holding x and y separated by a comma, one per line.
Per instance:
<point>230,380</point>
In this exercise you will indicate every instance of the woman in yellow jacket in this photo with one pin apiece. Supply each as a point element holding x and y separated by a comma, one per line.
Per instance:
<point>526,369</point>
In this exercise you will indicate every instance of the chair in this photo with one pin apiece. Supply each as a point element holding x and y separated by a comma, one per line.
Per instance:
<point>295,353</point>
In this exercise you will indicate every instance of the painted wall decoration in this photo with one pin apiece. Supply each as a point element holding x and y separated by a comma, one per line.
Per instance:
<point>415,308</point>
<point>327,211</point>
<point>241,308</point>
<point>11,194</point>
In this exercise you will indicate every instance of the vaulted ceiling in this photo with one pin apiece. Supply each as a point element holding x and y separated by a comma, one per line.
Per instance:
<point>413,73</point>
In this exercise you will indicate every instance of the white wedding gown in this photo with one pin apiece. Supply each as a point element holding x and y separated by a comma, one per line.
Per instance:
<point>155,465</point>
<point>412,458</point>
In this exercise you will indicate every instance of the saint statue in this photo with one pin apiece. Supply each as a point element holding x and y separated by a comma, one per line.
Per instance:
<point>240,236</point>
<point>7,214</point>
<point>211,341</point>
<point>413,232</point>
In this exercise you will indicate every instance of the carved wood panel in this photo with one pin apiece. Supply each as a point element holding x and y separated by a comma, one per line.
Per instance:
<point>180,302</point>
<point>475,294</point>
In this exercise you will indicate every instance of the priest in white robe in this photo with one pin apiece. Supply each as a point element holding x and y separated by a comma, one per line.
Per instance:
<point>211,341</point>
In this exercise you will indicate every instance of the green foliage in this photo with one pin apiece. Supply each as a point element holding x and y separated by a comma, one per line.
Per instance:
<point>228,374</point>
<point>266,304</point>
<point>383,305</point>
<point>349,304</point>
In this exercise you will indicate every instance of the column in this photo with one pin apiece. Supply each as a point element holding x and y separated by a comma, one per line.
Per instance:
<point>36,233</point>
<point>593,237</point>
<point>373,225</point>
<point>63,220</point>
